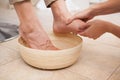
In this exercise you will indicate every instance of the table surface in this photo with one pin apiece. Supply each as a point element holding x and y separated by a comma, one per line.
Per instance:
<point>99,60</point>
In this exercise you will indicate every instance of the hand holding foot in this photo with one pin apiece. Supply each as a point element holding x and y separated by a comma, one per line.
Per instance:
<point>60,26</point>
<point>81,15</point>
<point>61,14</point>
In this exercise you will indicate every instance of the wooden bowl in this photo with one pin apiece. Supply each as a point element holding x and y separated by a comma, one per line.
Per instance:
<point>69,44</point>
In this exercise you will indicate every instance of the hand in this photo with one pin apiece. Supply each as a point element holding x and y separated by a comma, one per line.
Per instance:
<point>60,26</point>
<point>107,7</point>
<point>95,29</point>
<point>82,15</point>
<point>61,14</point>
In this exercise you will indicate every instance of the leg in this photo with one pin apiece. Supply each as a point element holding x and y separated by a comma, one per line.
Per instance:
<point>30,28</point>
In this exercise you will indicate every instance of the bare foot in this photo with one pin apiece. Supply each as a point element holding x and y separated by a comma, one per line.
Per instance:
<point>30,28</point>
<point>37,39</point>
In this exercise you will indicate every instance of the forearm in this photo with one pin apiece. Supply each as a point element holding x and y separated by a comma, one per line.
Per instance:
<point>116,31</point>
<point>108,7</point>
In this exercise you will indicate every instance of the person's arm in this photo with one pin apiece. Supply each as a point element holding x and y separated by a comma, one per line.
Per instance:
<point>114,29</point>
<point>30,27</point>
<point>97,28</point>
<point>108,7</point>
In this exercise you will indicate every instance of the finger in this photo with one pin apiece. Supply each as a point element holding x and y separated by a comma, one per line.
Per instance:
<point>70,20</point>
<point>83,27</point>
<point>94,38</point>
<point>83,33</point>
<point>89,33</point>
<point>74,17</point>
<point>91,22</point>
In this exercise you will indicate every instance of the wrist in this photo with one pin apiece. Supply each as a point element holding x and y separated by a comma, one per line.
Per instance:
<point>115,30</point>
<point>112,28</point>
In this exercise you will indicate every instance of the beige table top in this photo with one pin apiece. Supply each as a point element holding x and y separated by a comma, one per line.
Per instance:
<point>99,60</point>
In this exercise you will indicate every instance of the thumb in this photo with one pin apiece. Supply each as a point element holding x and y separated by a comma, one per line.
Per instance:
<point>69,20</point>
<point>84,33</point>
